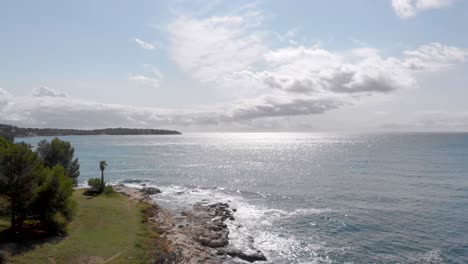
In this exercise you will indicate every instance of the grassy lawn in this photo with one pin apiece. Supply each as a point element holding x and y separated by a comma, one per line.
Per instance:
<point>107,229</point>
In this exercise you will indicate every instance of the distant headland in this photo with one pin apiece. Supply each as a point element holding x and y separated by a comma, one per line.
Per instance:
<point>10,131</point>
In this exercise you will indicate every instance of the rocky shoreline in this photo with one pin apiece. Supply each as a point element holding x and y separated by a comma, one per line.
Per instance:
<point>198,235</point>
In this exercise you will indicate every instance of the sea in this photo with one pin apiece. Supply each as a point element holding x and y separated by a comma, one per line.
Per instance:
<point>307,197</point>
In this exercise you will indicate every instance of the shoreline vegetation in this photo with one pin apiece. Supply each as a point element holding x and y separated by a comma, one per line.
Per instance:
<point>127,226</point>
<point>10,132</point>
<point>110,228</point>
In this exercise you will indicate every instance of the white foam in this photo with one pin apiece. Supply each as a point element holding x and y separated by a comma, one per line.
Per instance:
<point>433,256</point>
<point>251,221</point>
<point>310,211</point>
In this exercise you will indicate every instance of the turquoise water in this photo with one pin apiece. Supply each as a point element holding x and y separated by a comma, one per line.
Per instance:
<point>309,198</point>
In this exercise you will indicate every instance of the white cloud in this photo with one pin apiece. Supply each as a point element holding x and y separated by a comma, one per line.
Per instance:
<point>279,106</point>
<point>3,93</point>
<point>144,44</point>
<point>434,57</point>
<point>288,36</point>
<point>409,8</point>
<point>144,81</point>
<point>318,71</point>
<point>72,112</point>
<point>43,91</point>
<point>4,99</point>
<point>231,53</point>
<point>213,49</point>
<point>432,4</point>
<point>153,70</point>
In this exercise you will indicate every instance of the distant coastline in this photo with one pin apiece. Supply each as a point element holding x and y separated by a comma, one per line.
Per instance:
<point>10,131</point>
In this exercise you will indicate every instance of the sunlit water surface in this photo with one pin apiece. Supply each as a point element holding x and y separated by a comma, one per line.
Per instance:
<point>309,198</point>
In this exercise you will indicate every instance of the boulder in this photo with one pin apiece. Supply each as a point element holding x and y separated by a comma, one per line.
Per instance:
<point>150,190</point>
<point>247,256</point>
<point>213,243</point>
<point>220,242</point>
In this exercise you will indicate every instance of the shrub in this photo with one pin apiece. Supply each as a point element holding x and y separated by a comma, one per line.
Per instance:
<point>108,190</point>
<point>95,185</point>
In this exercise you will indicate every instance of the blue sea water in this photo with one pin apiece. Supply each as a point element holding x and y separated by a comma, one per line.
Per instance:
<point>312,197</point>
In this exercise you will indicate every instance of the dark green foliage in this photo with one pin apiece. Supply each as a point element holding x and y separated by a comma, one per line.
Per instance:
<point>59,152</point>
<point>7,132</point>
<point>95,185</point>
<point>20,173</point>
<point>108,190</point>
<point>32,190</point>
<point>53,204</point>
<point>8,136</point>
<point>32,132</point>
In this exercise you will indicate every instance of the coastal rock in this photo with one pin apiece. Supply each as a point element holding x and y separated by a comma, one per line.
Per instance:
<point>150,190</point>
<point>208,227</point>
<point>213,243</point>
<point>250,256</point>
<point>199,235</point>
<point>179,230</point>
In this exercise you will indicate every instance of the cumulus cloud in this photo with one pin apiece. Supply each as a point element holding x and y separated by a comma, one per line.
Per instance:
<point>271,106</point>
<point>144,44</point>
<point>212,49</point>
<point>231,53</point>
<point>4,99</point>
<point>145,80</point>
<point>73,112</point>
<point>317,71</point>
<point>44,91</point>
<point>434,57</point>
<point>3,93</point>
<point>409,8</point>
<point>153,70</point>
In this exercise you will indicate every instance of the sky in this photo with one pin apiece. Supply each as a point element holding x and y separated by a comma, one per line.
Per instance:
<point>271,65</point>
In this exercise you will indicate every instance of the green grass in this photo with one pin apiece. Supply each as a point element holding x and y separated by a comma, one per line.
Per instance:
<point>107,229</point>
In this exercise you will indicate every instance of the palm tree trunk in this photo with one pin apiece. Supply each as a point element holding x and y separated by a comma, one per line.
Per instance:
<point>102,180</point>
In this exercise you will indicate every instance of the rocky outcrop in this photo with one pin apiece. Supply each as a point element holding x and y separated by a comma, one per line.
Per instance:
<point>206,224</point>
<point>210,229</point>
<point>256,255</point>
<point>199,235</point>
<point>150,190</point>
<point>179,232</point>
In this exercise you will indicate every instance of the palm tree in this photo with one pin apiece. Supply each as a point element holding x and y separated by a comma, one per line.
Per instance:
<point>102,167</point>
